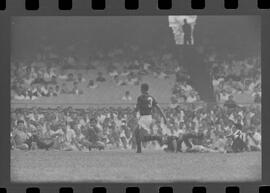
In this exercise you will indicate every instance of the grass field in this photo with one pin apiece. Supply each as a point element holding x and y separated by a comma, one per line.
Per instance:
<point>127,166</point>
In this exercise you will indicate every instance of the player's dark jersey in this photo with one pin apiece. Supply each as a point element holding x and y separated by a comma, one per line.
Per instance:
<point>187,29</point>
<point>145,104</point>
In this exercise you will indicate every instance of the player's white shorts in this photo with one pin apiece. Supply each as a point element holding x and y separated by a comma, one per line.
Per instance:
<point>145,122</point>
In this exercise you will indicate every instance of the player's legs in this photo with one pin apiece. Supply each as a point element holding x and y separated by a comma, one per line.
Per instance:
<point>185,40</point>
<point>143,132</point>
<point>138,140</point>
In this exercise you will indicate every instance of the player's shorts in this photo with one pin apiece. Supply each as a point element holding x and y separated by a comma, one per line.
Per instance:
<point>145,122</point>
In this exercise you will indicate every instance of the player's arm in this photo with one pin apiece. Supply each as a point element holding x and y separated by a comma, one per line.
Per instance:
<point>161,113</point>
<point>136,107</point>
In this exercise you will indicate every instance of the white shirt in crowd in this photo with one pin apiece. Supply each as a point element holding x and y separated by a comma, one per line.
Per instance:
<point>19,97</point>
<point>113,73</point>
<point>216,82</point>
<point>257,136</point>
<point>63,76</point>
<point>232,118</point>
<point>186,88</point>
<point>127,98</point>
<point>182,116</point>
<point>224,96</point>
<point>47,76</point>
<point>44,90</point>
<point>70,135</point>
<point>191,99</point>
<point>28,81</point>
<point>146,66</point>
<point>255,93</point>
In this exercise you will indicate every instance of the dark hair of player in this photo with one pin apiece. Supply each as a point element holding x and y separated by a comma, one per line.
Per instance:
<point>144,88</point>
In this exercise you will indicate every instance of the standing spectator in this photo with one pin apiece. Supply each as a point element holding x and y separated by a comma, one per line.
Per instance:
<point>187,32</point>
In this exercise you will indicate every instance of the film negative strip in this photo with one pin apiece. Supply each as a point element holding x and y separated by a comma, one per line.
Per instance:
<point>134,96</point>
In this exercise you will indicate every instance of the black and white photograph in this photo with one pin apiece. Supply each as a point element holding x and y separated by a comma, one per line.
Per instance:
<point>139,99</point>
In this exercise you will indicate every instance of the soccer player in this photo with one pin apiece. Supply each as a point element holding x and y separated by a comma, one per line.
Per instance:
<point>145,106</point>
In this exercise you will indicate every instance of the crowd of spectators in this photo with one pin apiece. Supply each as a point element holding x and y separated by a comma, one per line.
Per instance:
<point>32,80</point>
<point>51,75</point>
<point>234,76</point>
<point>114,126</point>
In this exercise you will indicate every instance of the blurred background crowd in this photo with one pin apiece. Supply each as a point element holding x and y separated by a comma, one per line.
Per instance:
<point>119,72</point>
